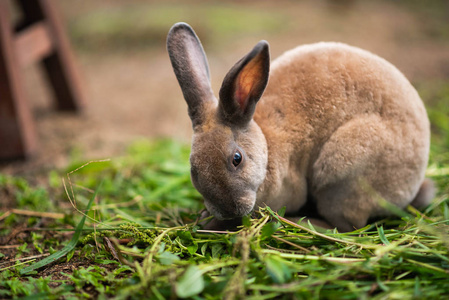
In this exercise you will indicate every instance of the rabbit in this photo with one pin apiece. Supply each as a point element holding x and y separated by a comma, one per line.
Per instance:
<point>329,122</point>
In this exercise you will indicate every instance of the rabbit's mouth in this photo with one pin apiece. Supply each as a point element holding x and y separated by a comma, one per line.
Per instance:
<point>231,210</point>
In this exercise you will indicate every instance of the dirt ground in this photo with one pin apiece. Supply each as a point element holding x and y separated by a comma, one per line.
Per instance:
<point>133,93</point>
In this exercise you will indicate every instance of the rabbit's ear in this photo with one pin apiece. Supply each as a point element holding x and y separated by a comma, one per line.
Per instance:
<point>244,85</point>
<point>191,68</point>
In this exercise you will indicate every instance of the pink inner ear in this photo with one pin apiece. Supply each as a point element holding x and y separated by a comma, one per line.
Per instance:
<point>244,84</point>
<point>249,76</point>
<point>241,94</point>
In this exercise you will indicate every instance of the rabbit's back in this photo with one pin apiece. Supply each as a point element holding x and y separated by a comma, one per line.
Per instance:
<point>314,89</point>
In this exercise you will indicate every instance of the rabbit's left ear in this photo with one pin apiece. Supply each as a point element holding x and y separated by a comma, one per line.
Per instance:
<point>191,68</point>
<point>244,85</point>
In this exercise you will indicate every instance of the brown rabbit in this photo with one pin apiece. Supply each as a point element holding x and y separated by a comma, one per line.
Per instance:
<point>335,122</point>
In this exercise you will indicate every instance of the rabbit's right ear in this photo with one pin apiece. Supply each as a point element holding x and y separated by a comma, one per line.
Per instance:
<point>191,68</point>
<point>244,85</point>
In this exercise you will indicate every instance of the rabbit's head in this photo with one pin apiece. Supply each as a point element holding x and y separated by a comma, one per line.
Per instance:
<point>229,151</point>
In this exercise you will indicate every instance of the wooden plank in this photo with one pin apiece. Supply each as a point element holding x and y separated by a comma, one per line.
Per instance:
<point>33,44</point>
<point>17,130</point>
<point>60,66</point>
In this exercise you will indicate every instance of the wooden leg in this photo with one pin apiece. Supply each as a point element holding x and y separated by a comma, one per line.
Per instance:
<point>17,131</point>
<point>59,66</point>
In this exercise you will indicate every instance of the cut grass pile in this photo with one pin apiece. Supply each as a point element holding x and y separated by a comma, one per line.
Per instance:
<point>139,238</point>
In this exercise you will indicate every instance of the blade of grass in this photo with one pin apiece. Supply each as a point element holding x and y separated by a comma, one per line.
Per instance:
<point>122,214</point>
<point>324,236</point>
<point>37,214</point>
<point>69,247</point>
<point>428,266</point>
<point>342,260</point>
<point>382,236</point>
<point>13,266</point>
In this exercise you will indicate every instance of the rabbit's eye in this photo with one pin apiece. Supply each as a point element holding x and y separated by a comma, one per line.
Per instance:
<point>237,158</point>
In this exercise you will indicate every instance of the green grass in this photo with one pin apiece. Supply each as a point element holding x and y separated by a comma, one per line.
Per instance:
<point>139,239</point>
<point>145,25</point>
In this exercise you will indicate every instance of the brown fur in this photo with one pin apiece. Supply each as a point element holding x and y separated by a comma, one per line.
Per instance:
<point>335,122</point>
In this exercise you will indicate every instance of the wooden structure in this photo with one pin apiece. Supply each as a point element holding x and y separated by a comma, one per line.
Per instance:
<point>39,37</point>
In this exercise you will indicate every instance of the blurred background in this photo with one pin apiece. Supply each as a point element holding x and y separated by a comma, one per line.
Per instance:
<point>132,93</point>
